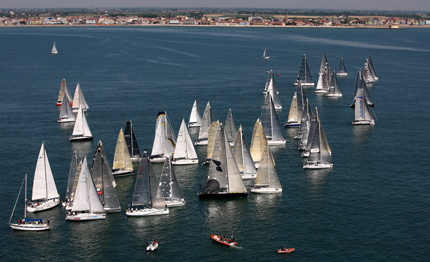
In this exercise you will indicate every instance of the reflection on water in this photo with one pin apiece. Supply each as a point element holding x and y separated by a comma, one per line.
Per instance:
<point>317,178</point>
<point>361,134</point>
<point>88,238</point>
<point>266,204</point>
<point>83,149</point>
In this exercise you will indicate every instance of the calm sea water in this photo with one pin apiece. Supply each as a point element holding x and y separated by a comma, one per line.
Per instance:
<point>373,205</point>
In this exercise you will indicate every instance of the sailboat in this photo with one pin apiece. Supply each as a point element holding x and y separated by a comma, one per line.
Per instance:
<point>44,194</point>
<point>25,224</point>
<point>360,83</point>
<point>64,90</point>
<point>224,179</point>
<point>230,128</point>
<point>79,100</point>
<point>148,200</point>
<point>243,156</point>
<point>103,181</point>
<point>169,185</point>
<point>264,54</point>
<point>270,122</point>
<point>307,137</point>
<point>305,121</point>
<point>69,204</point>
<point>269,82</point>
<point>324,61</point>
<point>342,69</point>
<point>293,116</point>
<point>131,141</point>
<point>320,152</point>
<point>207,120</point>
<point>66,113</point>
<point>185,153</point>
<point>54,49</point>
<point>267,180</point>
<point>81,130</point>
<point>372,68</point>
<point>122,164</point>
<point>305,76</point>
<point>334,89</point>
<point>86,205</point>
<point>324,80</point>
<point>195,118</point>
<point>164,140</point>
<point>367,73</point>
<point>273,91</point>
<point>363,116</point>
<point>72,174</point>
<point>211,142</point>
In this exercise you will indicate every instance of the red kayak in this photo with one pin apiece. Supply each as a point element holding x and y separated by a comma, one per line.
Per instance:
<point>224,241</point>
<point>284,250</point>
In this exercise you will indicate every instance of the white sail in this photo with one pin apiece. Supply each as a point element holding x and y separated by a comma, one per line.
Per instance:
<point>169,185</point>
<point>81,128</point>
<point>66,113</point>
<point>54,49</point>
<point>195,118</point>
<point>230,128</point>
<point>264,54</point>
<point>122,160</point>
<point>304,75</point>
<point>184,146</point>
<point>363,116</point>
<point>274,93</point>
<point>64,90</point>
<point>164,140</point>
<point>334,89</point>
<point>86,197</point>
<point>43,183</point>
<point>267,180</point>
<point>235,182</point>
<point>372,68</point>
<point>342,69</point>
<point>211,139</point>
<point>256,148</point>
<point>367,74</point>
<point>243,156</point>
<point>79,100</point>
<point>207,120</point>
<point>270,122</point>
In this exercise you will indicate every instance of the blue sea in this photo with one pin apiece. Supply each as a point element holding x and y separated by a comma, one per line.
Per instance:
<point>372,206</point>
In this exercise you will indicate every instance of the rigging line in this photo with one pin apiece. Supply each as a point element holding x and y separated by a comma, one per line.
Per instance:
<point>17,200</point>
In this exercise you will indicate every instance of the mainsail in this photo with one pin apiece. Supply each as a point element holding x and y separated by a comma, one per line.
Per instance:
<point>131,141</point>
<point>79,100</point>
<point>121,160</point>
<point>304,76</point>
<point>207,120</point>
<point>195,118</point>
<point>66,113</point>
<point>269,120</point>
<point>230,127</point>
<point>360,83</point>
<point>72,174</point>
<point>184,146</point>
<point>242,154</point>
<point>169,183</point>
<point>44,187</point>
<point>64,90</point>
<point>165,140</point>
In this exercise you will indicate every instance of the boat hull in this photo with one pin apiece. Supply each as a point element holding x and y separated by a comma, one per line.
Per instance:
<point>298,136</point>
<point>305,84</point>
<point>135,159</point>
<point>333,95</point>
<point>226,242</point>
<point>123,172</point>
<point>318,166</point>
<point>364,122</point>
<point>175,203</point>
<point>217,195</point>
<point>85,217</point>
<point>43,205</point>
<point>292,124</point>
<point>147,212</point>
<point>249,175</point>
<point>185,161</point>
<point>285,251</point>
<point>194,124</point>
<point>65,120</point>
<point>266,190</point>
<point>152,247</point>
<point>201,143</point>
<point>80,138</point>
<point>341,74</point>
<point>30,227</point>
<point>276,142</point>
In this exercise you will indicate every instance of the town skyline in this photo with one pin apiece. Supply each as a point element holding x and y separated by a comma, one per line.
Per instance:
<point>388,5</point>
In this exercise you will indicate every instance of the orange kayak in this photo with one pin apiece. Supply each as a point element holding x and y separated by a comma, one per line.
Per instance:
<point>284,250</point>
<point>225,241</point>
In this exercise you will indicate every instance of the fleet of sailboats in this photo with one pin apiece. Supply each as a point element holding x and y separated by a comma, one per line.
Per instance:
<point>148,200</point>
<point>195,118</point>
<point>164,140</point>
<point>131,141</point>
<point>304,77</point>
<point>86,203</point>
<point>81,130</point>
<point>122,164</point>
<point>207,120</point>
<point>44,194</point>
<point>25,224</point>
<point>169,185</point>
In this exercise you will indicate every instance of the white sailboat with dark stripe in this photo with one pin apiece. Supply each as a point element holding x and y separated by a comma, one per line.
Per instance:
<point>169,185</point>
<point>304,76</point>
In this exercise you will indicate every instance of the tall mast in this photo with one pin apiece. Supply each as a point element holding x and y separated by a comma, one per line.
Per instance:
<point>25,202</point>
<point>44,168</point>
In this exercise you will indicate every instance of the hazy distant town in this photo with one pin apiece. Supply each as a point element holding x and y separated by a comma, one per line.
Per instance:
<point>212,17</point>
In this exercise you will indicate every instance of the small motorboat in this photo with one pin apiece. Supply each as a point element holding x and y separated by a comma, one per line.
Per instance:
<point>225,241</point>
<point>285,250</point>
<point>153,246</point>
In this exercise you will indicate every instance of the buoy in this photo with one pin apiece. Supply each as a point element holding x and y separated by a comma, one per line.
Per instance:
<point>279,74</point>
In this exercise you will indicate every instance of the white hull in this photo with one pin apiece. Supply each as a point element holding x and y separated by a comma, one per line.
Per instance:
<point>80,138</point>
<point>135,159</point>
<point>43,205</point>
<point>157,160</point>
<point>276,142</point>
<point>30,227</point>
<point>152,247</point>
<point>256,164</point>
<point>266,190</point>
<point>333,95</point>
<point>194,124</point>
<point>317,166</point>
<point>320,91</point>
<point>341,74</point>
<point>76,110</point>
<point>175,203</point>
<point>185,161</point>
<point>65,120</point>
<point>306,84</point>
<point>292,124</point>
<point>123,172</point>
<point>249,175</point>
<point>201,143</point>
<point>147,212</point>
<point>305,154</point>
<point>364,122</point>
<point>278,107</point>
<point>298,136</point>
<point>85,216</point>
